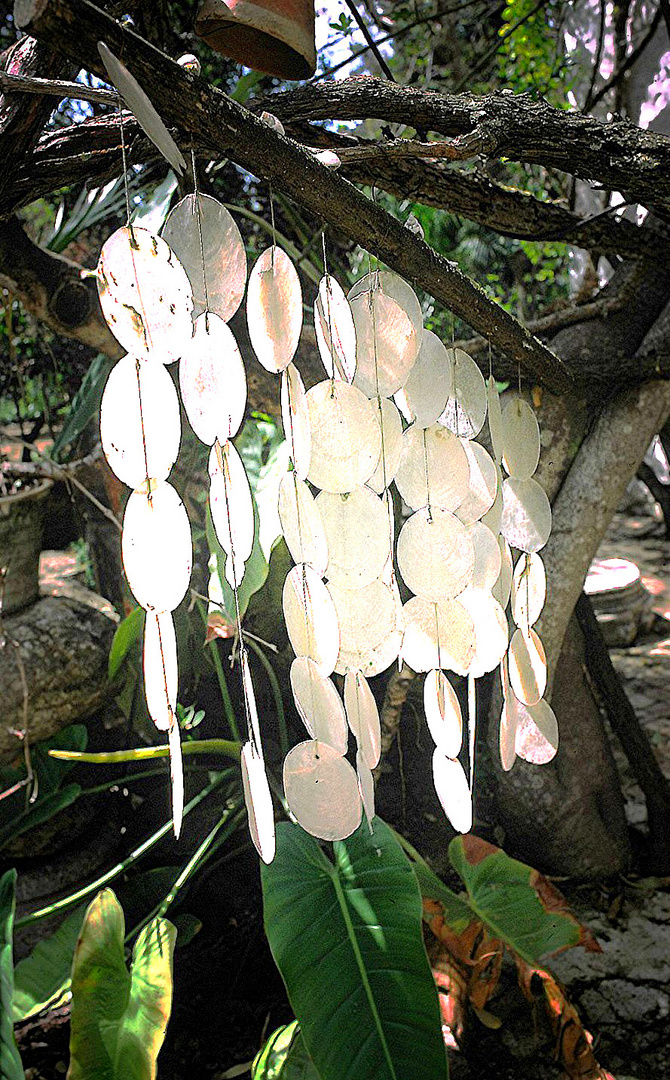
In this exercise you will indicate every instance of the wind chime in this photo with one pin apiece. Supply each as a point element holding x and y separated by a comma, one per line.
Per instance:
<point>397,407</point>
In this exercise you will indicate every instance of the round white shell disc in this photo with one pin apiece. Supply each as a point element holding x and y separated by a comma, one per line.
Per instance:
<point>230,502</point>
<point>357,535</point>
<point>311,618</point>
<point>527,667</point>
<point>301,523</point>
<point>536,733</point>
<point>501,589</point>
<point>494,418</point>
<point>529,590</point>
<point>274,309</point>
<point>370,634</point>
<point>493,517</point>
<point>487,556</point>
<point>225,257</point>
<point>482,485</point>
<point>526,515</point>
<point>213,381</point>
<point>507,737</point>
<point>427,387</point>
<point>443,713</point>
<point>438,636</point>
<point>319,704</point>
<point>145,295</point>
<point>433,468</point>
<point>521,439</point>
<point>390,424</point>
<point>346,438</point>
<point>491,633</point>
<point>161,674</point>
<point>295,419</point>
<point>386,343</point>
<point>321,790</point>
<point>435,554</point>
<point>127,431</point>
<point>391,284</point>
<point>335,333</point>
<point>465,410</point>
<point>258,802</point>
<point>156,548</point>
<point>366,786</point>
<point>452,790</point>
<point>363,717</point>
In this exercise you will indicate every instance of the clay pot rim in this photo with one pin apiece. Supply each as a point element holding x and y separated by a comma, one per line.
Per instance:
<point>38,491</point>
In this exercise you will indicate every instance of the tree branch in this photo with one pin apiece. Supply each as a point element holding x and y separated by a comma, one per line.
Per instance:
<point>75,27</point>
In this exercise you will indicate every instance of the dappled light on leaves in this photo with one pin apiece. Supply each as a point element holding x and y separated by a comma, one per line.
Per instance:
<point>321,790</point>
<point>274,309</point>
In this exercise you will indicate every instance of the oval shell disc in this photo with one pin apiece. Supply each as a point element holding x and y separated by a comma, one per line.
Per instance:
<point>321,790</point>
<point>145,295</point>
<point>452,791</point>
<point>346,438</point>
<point>433,468</point>
<point>301,523</point>
<point>156,548</point>
<point>128,431</point>
<point>366,786</point>
<point>161,674</point>
<point>224,255</point>
<point>274,309</point>
<point>363,717</point>
<point>521,439</point>
<point>465,410</point>
<point>507,737</point>
<point>427,387</point>
<point>487,556</point>
<point>386,343</point>
<point>295,419</point>
<point>335,333</point>
<point>230,502</point>
<point>491,633</point>
<point>527,667</point>
<point>370,634</point>
<point>443,713</point>
<point>390,425</point>
<point>311,618</point>
<point>357,535</point>
<point>502,587</point>
<point>494,418</point>
<point>391,284</point>
<point>435,554</point>
<point>258,802</point>
<point>437,636</point>
<point>536,733</point>
<point>319,704</point>
<point>526,514</point>
<point>213,381</point>
<point>482,485</point>
<point>529,590</point>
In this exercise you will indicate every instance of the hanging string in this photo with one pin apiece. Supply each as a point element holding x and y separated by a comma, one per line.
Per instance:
<point>198,214</point>
<point>125,165</point>
<point>490,361</point>
<point>425,468</point>
<point>274,228</point>
<point>472,724</point>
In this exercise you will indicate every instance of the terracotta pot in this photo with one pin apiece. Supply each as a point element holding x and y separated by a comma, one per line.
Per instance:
<point>21,526</point>
<point>275,36</point>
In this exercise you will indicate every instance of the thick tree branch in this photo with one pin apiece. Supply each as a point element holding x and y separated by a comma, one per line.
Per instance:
<point>75,27</point>
<point>520,127</point>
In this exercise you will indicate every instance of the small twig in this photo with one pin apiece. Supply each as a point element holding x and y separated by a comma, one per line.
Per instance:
<point>460,149</point>
<point>372,44</point>
<point>597,309</point>
<point>54,471</point>
<point>59,88</point>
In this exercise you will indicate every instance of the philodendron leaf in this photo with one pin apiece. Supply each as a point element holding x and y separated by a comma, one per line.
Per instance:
<point>10,1061</point>
<point>284,1057</point>
<point>346,936</point>
<point>44,975</point>
<point>517,904</point>
<point>119,1017</point>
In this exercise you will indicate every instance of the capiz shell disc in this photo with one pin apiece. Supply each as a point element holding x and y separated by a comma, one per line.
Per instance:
<point>391,284</point>
<point>487,556</point>
<point>386,344</point>
<point>526,514</point>
<point>437,635</point>
<point>258,802</point>
<point>521,439</point>
<point>502,587</point>
<point>140,427</point>
<point>527,666</point>
<point>357,535</point>
<point>335,332</point>
<point>529,590</point>
<point>274,309</point>
<point>482,483</point>
<point>427,386</point>
<point>465,410</point>
<point>295,419</point>
<point>225,260</point>
<point>230,502</point>
<point>145,295</point>
<point>156,548</point>
<point>212,380</point>
<point>301,523</point>
<point>452,790</point>
<point>321,790</point>
<point>319,704</point>
<point>161,674</point>
<point>370,627</point>
<point>436,556</point>
<point>433,468</point>
<point>536,732</point>
<point>390,426</point>
<point>491,633</point>
<point>311,617</point>
<point>494,418</point>
<point>443,713</point>
<point>346,438</point>
<point>363,717</point>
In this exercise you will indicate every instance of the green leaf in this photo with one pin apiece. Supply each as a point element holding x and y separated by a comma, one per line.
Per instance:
<point>85,404</point>
<point>10,1061</point>
<point>346,937</point>
<point>152,212</point>
<point>128,633</point>
<point>44,975</point>
<point>42,810</point>
<point>119,1018</point>
<point>284,1057</point>
<point>516,904</point>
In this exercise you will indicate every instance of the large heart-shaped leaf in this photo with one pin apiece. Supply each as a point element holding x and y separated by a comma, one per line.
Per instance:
<point>44,975</point>
<point>10,1061</point>
<point>346,936</point>
<point>119,1017</point>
